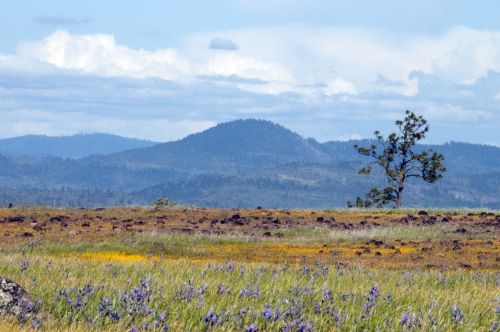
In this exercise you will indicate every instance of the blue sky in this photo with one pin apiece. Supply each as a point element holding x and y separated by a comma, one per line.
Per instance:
<point>326,69</point>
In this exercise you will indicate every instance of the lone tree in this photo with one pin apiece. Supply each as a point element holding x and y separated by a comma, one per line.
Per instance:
<point>399,160</point>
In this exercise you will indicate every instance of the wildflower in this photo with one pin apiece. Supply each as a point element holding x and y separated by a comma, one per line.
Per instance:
<point>457,313</point>
<point>307,269</point>
<point>374,292</point>
<point>494,326</point>
<point>410,320</point>
<point>210,318</point>
<point>277,313</point>
<point>107,309</point>
<point>250,291</point>
<point>405,318</point>
<point>326,293</point>
<point>242,312</point>
<point>317,308</point>
<point>290,326</point>
<point>267,313</point>
<point>24,265</point>
<point>371,300</point>
<point>304,327</point>
<point>334,314</point>
<point>251,328</point>
<point>36,324</point>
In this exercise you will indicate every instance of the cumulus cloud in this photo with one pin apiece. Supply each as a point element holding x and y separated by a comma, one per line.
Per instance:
<point>219,43</point>
<point>467,55</point>
<point>362,56</point>
<point>100,54</point>
<point>345,60</point>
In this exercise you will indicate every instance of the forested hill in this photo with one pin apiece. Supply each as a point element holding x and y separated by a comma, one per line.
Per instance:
<point>76,146</point>
<point>242,163</point>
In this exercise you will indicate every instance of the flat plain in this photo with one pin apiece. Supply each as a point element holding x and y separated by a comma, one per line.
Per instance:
<point>190,269</point>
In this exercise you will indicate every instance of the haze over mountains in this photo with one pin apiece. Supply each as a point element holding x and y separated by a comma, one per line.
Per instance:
<point>76,146</point>
<point>243,163</point>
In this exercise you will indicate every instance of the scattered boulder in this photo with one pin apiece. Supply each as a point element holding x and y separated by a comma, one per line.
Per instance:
<point>16,219</point>
<point>60,219</point>
<point>15,301</point>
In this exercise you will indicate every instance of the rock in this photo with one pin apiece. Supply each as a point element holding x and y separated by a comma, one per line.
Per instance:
<point>15,301</point>
<point>16,219</point>
<point>60,219</point>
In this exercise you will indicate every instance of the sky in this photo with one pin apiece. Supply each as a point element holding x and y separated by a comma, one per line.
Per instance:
<point>327,69</point>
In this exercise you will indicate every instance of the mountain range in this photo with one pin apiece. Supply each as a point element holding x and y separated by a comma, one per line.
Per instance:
<point>243,163</point>
<point>77,146</point>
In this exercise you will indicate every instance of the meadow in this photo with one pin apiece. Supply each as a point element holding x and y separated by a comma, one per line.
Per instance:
<point>194,269</point>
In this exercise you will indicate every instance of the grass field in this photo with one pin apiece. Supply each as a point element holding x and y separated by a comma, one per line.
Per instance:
<point>254,270</point>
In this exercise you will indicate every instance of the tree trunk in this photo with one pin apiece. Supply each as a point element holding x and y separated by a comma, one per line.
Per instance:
<point>399,196</point>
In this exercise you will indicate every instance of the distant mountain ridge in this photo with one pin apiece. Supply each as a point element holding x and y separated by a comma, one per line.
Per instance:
<point>76,146</point>
<point>235,145</point>
<point>243,163</point>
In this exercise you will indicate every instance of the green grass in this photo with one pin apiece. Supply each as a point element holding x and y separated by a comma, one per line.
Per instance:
<point>430,295</point>
<point>296,291</point>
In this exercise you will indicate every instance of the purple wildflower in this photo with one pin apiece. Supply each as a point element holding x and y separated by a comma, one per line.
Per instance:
<point>24,265</point>
<point>267,313</point>
<point>251,328</point>
<point>210,318</point>
<point>304,327</point>
<point>405,318</point>
<point>36,324</point>
<point>457,313</point>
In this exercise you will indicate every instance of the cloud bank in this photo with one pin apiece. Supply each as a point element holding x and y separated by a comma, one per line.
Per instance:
<point>324,82</point>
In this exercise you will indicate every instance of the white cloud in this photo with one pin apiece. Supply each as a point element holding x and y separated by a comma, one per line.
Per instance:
<point>100,54</point>
<point>467,55</point>
<point>434,111</point>
<point>362,55</point>
<point>339,80</point>
<point>228,64</point>
<point>340,86</point>
<point>346,60</point>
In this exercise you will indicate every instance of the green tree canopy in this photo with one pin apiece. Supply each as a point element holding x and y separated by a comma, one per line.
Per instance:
<point>397,157</point>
